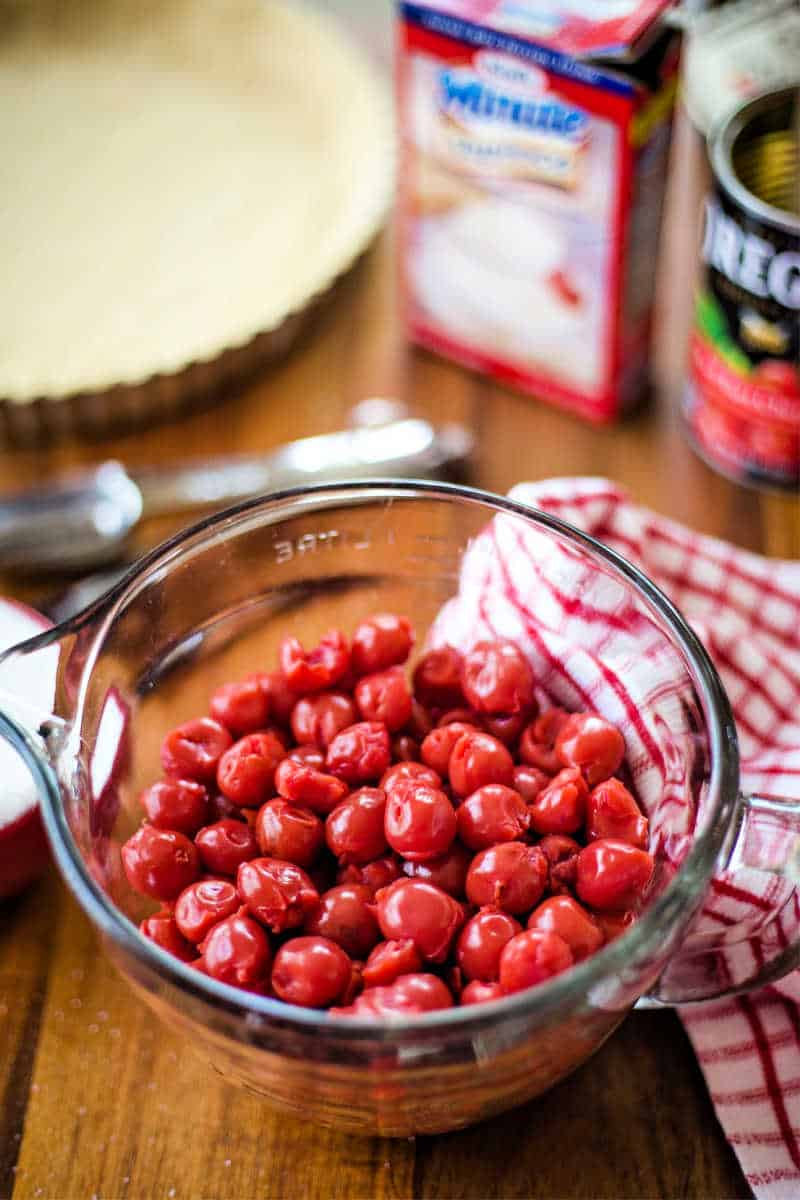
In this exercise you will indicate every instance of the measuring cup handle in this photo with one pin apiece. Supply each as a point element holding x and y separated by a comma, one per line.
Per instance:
<point>747,933</point>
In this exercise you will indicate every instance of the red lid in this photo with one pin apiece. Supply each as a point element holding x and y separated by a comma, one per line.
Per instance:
<point>581,28</point>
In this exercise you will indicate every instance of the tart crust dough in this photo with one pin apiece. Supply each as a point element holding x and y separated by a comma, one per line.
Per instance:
<point>178,176</point>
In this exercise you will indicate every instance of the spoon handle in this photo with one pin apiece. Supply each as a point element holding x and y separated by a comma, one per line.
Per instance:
<point>410,447</point>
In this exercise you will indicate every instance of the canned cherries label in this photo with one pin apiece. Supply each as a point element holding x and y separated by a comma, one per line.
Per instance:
<point>743,396</point>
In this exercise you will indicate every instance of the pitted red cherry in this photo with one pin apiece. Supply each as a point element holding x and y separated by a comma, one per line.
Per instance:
<point>463,798</point>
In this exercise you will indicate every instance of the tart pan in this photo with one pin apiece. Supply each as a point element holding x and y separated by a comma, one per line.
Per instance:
<point>190,178</point>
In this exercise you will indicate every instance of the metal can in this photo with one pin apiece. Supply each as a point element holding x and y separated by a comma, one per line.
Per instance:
<point>742,402</point>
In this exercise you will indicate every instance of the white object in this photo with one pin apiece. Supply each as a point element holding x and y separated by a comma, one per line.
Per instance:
<point>27,688</point>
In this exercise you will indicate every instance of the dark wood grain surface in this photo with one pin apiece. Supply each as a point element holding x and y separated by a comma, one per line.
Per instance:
<point>96,1101</point>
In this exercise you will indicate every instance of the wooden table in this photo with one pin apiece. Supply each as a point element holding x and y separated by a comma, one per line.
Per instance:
<point>97,1102</point>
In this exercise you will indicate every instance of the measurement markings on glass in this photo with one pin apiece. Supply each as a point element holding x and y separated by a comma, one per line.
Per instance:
<point>286,549</point>
<point>307,543</point>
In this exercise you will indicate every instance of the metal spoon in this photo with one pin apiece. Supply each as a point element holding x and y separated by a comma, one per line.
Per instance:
<point>84,521</point>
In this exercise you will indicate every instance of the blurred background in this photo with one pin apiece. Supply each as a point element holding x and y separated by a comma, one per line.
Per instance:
<point>370,21</point>
<point>225,227</point>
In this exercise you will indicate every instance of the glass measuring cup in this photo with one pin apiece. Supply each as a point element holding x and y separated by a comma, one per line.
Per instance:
<point>212,604</point>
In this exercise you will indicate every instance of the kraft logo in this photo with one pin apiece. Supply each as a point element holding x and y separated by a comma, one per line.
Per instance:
<point>504,71</point>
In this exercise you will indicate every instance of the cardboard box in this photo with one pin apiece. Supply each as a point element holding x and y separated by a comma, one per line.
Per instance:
<point>535,142</point>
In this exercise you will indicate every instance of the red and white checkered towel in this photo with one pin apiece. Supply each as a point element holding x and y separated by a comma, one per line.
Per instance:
<point>592,649</point>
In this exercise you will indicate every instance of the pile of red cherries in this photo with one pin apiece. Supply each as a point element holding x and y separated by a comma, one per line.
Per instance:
<point>336,836</point>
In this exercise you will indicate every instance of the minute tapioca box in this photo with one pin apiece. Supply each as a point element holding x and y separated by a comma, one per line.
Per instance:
<point>534,151</point>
